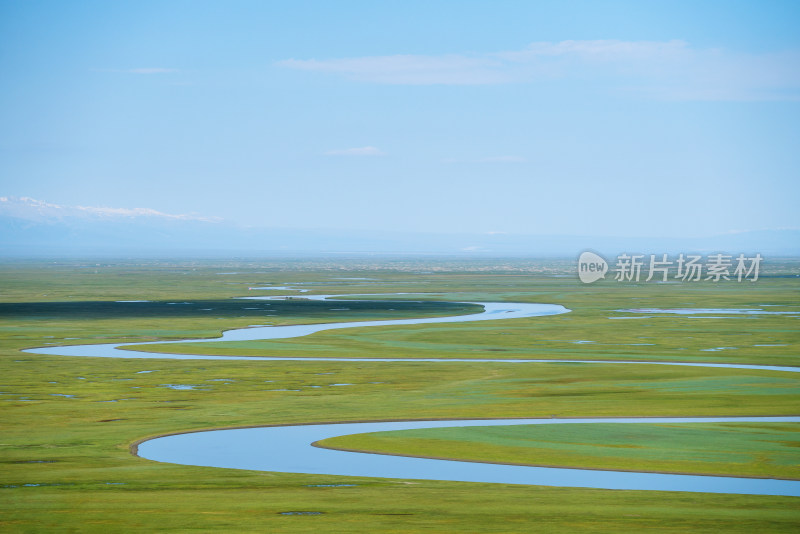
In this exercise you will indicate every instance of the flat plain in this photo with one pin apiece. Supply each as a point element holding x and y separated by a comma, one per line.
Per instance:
<point>68,423</point>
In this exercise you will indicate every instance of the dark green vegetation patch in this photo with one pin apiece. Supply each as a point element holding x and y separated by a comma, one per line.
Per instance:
<point>317,311</point>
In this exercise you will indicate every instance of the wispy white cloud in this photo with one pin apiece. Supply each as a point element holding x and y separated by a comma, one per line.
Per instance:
<point>599,50</point>
<point>655,69</point>
<point>503,159</point>
<point>488,159</point>
<point>360,151</point>
<point>141,70</point>
<point>151,70</point>
<point>409,69</point>
<point>141,212</point>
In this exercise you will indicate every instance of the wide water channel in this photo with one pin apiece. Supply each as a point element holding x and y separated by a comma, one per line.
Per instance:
<point>290,449</point>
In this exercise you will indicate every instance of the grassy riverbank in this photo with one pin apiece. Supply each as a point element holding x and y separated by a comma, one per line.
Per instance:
<point>764,450</point>
<point>68,422</point>
<point>600,326</point>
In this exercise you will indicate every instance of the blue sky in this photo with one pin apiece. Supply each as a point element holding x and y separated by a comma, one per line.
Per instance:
<point>638,118</point>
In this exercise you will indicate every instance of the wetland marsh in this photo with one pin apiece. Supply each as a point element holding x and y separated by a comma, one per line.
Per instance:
<point>69,421</point>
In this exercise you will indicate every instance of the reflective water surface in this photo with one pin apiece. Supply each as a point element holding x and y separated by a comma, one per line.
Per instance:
<point>491,311</point>
<point>289,449</point>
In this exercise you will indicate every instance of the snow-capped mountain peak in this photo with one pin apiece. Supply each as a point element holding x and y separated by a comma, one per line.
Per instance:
<point>32,209</point>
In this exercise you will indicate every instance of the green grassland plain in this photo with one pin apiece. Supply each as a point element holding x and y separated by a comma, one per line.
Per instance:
<point>68,423</point>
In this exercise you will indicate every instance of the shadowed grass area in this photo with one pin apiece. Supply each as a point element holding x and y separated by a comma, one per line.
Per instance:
<point>151,320</point>
<point>67,423</point>
<point>279,310</point>
<point>769,450</point>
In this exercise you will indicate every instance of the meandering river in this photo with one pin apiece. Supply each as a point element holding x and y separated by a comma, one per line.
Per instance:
<point>290,449</point>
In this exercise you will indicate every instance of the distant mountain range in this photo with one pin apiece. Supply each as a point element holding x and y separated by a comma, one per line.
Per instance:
<point>30,227</point>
